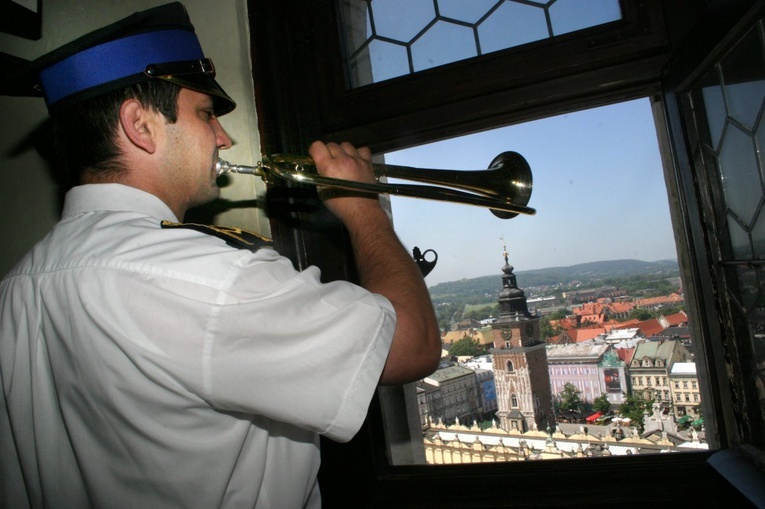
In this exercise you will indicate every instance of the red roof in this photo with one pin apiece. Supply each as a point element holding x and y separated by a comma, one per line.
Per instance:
<point>677,319</point>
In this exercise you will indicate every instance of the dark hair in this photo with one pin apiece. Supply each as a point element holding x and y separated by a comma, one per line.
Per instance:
<point>84,134</point>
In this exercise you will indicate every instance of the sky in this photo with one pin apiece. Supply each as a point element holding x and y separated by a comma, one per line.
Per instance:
<point>598,189</point>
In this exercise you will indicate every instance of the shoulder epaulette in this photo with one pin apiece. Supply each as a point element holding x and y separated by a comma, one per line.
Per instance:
<point>234,237</point>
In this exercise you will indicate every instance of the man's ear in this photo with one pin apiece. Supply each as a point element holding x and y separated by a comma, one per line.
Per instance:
<point>139,125</point>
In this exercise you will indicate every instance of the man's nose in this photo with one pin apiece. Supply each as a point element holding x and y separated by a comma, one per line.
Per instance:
<point>224,141</point>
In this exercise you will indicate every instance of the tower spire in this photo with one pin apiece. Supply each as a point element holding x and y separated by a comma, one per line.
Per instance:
<point>512,300</point>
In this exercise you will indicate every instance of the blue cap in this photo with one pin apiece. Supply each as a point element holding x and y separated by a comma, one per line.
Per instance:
<point>158,43</point>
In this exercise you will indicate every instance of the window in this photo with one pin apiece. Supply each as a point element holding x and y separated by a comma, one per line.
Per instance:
<point>538,141</point>
<point>619,61</point>
<point>717,101</point>
<point>389,38</point>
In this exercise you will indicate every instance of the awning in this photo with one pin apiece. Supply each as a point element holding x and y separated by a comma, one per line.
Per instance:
<point>594,416</point>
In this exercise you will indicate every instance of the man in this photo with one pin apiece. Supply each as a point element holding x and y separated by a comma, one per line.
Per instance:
<point>147,364</point>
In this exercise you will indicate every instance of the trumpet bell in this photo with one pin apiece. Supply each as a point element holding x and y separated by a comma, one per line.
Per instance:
<point>515,180</point>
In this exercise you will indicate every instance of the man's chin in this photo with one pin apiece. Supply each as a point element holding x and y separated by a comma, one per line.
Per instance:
<point>209,195</point>
<point>214,193</point>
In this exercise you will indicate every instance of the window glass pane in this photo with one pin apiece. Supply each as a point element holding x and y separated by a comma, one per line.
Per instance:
<point>572,15</point>
<point>525,389</point>
<point>758,237</point>
<point>739,241</point>
<point>438,32</point>
<point>714,104</point>
<point>512,25</point>
<point>743,72</point>
<point>739,173</point>
<point>443,43</point>
<point>469,12</point>
<point>401,20</point>
<point>733,94</point>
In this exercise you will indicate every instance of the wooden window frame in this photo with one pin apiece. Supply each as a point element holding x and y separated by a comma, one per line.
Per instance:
<point>302,95</point>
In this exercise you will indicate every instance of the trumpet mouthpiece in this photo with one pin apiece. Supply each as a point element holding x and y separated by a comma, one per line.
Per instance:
<point>222,167</point>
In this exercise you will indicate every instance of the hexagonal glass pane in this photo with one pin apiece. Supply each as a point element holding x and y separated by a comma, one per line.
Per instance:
<point>401,20</point>
<point>759,138</point>
<point>739,174</point>
<point>443,43</point>
<point>388,60</point>
<point>572,15</point>
<point>748,291</point>
<point>501,24</point>
<point>758,237</point>
<point>714,105</point>
<point>739,240</point>
<point>744,91</point>
<point>512,25</point>
<point>469,11</point>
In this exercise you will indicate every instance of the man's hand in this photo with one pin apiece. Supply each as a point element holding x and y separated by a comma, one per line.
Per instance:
<point>345,162</point>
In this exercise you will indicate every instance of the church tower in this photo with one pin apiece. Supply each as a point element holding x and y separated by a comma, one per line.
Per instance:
<point>524,397</point>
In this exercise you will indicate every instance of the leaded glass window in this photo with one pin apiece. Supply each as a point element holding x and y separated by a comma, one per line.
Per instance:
<point>733,98</point>
<point>385,39</point>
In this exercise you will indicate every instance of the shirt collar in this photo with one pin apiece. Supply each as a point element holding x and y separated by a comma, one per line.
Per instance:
<point>116,198</point>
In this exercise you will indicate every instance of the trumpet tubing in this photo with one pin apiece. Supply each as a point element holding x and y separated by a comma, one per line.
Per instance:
<point>504,188</point>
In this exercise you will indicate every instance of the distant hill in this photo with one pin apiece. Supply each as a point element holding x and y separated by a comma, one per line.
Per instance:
<point>587,274</point>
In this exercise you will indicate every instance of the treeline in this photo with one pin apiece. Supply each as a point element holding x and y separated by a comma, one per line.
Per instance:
<point>477,297</point>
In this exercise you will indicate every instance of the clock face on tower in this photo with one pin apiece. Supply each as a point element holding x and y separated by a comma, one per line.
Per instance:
<point>507,333</point>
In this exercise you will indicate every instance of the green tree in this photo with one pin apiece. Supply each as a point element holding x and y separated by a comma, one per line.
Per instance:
<point>671,310</point>
<point>465,346</point>
<point>547,329</point>
<point>641,314</point>
<point>558,315</point>
<point>601,404</point>
<point>481,313</point>
<point>569,398</point>
<point>634,408</point>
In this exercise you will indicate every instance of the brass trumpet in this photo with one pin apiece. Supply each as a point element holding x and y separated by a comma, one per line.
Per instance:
<point>504,188</point>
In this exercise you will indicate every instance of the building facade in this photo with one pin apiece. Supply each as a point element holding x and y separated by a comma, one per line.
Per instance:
<point>451,393</point>
<point>651,365</point>
<point>592,367</point>
<point>684,389</point>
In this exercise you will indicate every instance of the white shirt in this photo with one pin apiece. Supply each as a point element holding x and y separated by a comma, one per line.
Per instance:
<point>149,367</point>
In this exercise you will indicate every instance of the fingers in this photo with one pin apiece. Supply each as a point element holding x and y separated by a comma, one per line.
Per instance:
<point>333,150</point>
<point>365,153</point>
<point>345,162</point>
<point>319,151</point>
<point>342,160</point>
